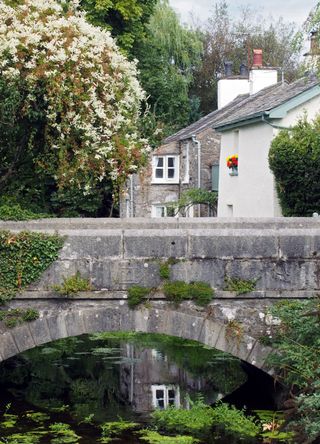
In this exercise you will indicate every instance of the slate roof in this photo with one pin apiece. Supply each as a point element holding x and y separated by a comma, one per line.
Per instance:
<point>206,122</point>
<point>245,106</point>
<point>267,99</point>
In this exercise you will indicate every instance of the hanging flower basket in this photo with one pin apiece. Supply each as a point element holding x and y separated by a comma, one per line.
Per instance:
<point>232,164</point>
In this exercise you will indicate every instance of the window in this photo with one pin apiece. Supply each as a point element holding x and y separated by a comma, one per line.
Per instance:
<point>215,178</point>
<point>160,210</point>
<point>165,169</point>
<point>165,395</point>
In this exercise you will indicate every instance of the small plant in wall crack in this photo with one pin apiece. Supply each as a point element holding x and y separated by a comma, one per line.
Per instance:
<point>13,317</point>
<point>72,285</point>
<point>239,286</point>
<point>164,267</point>
<point>234,330</point>
<point>137,294</point>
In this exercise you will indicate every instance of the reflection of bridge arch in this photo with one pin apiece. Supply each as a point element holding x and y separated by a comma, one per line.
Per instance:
<point>160,317</point>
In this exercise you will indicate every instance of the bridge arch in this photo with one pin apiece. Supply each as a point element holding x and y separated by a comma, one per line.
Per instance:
<point>157,317</point>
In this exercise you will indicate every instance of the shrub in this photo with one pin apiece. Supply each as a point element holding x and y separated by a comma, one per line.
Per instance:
<point>153,437</point>
<point>14,317</point>
<point>196,422</point>
<point>136,295</point>
<point>201,293</point>
<point>240,286</point>
<point>234,422</point>
<point>16,212</point>
<point>294,159</point>
<point>116,428</point>
<point>72,285</point>
<point>176,291</point>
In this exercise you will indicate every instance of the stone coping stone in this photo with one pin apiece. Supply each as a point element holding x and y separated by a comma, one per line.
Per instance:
<point>161,223</point>
<point>158,295</point>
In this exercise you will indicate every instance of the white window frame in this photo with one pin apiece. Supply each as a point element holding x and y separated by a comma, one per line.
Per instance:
<point>166,168</point>
<point>163,208</point>
<point>165,389</point>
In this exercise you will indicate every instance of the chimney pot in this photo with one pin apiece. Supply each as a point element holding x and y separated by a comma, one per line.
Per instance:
<point>257,58</point>
<point>243,70</point>
<point>228,69</point>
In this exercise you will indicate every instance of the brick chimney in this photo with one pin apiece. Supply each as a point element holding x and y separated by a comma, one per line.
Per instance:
<point>261,77</point>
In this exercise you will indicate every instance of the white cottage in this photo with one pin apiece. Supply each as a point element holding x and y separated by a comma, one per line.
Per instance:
<point>249,189</point>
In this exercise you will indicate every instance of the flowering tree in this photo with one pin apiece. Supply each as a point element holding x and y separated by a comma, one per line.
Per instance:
<point>75,95</point>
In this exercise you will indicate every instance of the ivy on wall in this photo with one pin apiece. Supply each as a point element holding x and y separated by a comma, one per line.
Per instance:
<point>24,257</point>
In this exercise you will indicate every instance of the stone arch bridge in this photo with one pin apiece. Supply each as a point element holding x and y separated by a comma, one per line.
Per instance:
<point>283,255</point>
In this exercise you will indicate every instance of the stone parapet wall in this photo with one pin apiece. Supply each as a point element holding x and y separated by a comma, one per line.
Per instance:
<point>283,255</point>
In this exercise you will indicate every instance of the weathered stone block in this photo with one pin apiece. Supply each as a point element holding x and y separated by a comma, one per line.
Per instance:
<point>296,246</point>
<point>8,346</point>
<point>40,331</point>
<point>211,244</point>
<point>155,244</point>
<point>210,271</point>
<point>104,244</point>
<point>23,337</point>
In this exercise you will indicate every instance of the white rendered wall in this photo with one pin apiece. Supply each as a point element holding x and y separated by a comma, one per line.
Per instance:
<point>262,78</point>
<point>251,193</point>
<point>229,89</point>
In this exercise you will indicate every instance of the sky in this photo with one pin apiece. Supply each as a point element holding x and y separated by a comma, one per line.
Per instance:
<point>291,10</point>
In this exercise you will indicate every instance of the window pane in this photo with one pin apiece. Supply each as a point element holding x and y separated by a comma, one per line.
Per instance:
<point>159,394</point>
<point>171,162</point>
<point>160,162</point>
<point>159,174</point>
<point>160,404</point>
<point>215,177</point>
<point>171,173</point>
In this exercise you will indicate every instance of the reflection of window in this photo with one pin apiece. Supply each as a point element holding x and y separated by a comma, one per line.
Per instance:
<point>165,169</point>
<point>165,395</point>
<point>159,210</point>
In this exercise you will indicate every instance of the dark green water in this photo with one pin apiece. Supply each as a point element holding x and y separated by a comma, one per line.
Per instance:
<point>85,381</point>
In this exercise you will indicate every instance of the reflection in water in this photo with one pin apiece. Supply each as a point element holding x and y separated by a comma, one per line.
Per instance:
<point>88,380</point>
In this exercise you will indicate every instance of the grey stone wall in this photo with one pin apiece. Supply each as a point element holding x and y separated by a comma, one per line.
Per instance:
<point>145,193</point>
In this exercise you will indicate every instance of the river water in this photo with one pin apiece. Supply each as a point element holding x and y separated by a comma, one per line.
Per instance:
<point>82,382</point>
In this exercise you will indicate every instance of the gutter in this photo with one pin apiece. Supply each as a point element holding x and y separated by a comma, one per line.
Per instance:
<point>257,118</point>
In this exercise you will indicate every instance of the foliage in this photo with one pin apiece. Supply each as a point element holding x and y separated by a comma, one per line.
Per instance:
<point>234,330</point>
<point>194,196</point>
<point>14,317</point>
<point>136,295</point>
<point>63,434</point>
<point>72,135</point>
<point>235,422</point>
<point>72,285</point>
<point>201,293</point>
<point>125,19</point>
<point>176,291</point>
<point>294,159</point>
<point>164,267</point>
<point>197,421</point>
<point>153,437</point>
<point>167,58</point>
<point>16,212</point>
<point>200,420</point>
<point>296,342</point>
<point>239,286</point>
<point>116,428</point>
<point>23,258</point>
<point>227,39</point>
<point>272,423</point>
